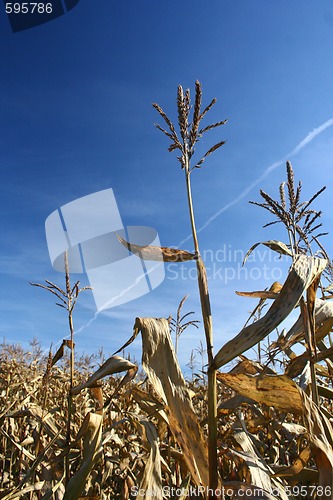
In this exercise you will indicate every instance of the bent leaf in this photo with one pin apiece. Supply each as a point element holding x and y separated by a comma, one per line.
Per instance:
<point>277,246</point>
<point>272,293</point>
<point>261,294</point>
<point>259,470</point>
<point>323,311</point>
<point>149,404</point>
<point>273,390</point>
<point>297,364</point>
<point>151,252</point>
<point>49,423</point>
<point>161,365</point>
<point>61,351</point>
<point>115,364</point>
<point>152,475</point>
<point>298,465</point>
<point>303,272</point>
<point>91,431</point>
<point>321,441</point>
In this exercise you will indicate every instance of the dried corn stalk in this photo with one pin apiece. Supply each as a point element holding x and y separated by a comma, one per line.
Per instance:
<point>91,431</point>
<point>161,365</point>
<point>259,470</point>
<point>321,442</point>
<point>151,482</point>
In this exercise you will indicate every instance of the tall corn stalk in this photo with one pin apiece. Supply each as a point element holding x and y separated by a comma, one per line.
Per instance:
<point>189,134</point>
<point>178,325</point>
<point>68,298</point>
<point>302,225</point>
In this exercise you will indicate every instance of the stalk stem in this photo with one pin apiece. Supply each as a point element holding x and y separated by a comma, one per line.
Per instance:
<point>190,205</point>
<point>208,327</point>
<point>71,368</point>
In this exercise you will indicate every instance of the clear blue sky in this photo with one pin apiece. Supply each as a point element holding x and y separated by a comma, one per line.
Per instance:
<point>76,117</point>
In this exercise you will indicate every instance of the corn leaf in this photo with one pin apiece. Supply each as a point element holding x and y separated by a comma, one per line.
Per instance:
<point>161,365</point>
<point>151,482</point>
<point>298,465</point>
<point>321,441</point>
<point>91,431</point>
<point>273,390</point>
<point>28,489</point>
<point>114,364</point>
<point>323,312</point>
<point>61,351</point>
<point>259,470</point>
<point>275,245</point>
<point>303,272</point>
<point>151,252</point>
<point>261,294</point>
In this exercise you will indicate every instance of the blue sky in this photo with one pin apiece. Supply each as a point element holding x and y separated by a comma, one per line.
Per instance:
<point>76,118</point>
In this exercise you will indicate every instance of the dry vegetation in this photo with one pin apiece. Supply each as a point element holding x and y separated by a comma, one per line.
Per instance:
<point>96,428</point>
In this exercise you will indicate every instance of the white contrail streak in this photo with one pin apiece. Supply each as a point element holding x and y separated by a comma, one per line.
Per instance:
<point>309,138</point>
<point>110,302</point>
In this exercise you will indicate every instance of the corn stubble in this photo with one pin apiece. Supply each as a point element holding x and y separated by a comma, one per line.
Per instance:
<point>98,428</point>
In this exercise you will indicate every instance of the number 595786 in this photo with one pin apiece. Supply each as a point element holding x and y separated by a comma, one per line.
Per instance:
<point>28,8</point>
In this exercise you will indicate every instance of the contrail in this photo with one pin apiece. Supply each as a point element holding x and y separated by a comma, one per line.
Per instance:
<point>110,302</point>
<point>309,138</point>
<point>312,135</point>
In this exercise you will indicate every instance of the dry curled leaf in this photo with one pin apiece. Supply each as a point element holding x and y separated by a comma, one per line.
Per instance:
<point>151,252</point>
<point>297,466</point>
<point>91,432</point>
<point>321,441</point>
<point>303,271</point>
<point>161,365</point>
<point>115,364</point>
<point>277,246</point>
<point>273,390</point>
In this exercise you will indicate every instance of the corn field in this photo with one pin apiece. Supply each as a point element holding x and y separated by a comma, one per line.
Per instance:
<point>90,427</point>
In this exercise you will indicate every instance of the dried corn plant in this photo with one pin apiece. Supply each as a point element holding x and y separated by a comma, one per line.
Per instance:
<point>184,142</point>
<point>68,299</point>
<point>313,325</point>
<point>301,221</point>
<point>71,428</point>
<point>299,289</point>
<point>179,325</point>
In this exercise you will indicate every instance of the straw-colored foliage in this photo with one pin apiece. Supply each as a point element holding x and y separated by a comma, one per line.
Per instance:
<point>107,428</point>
